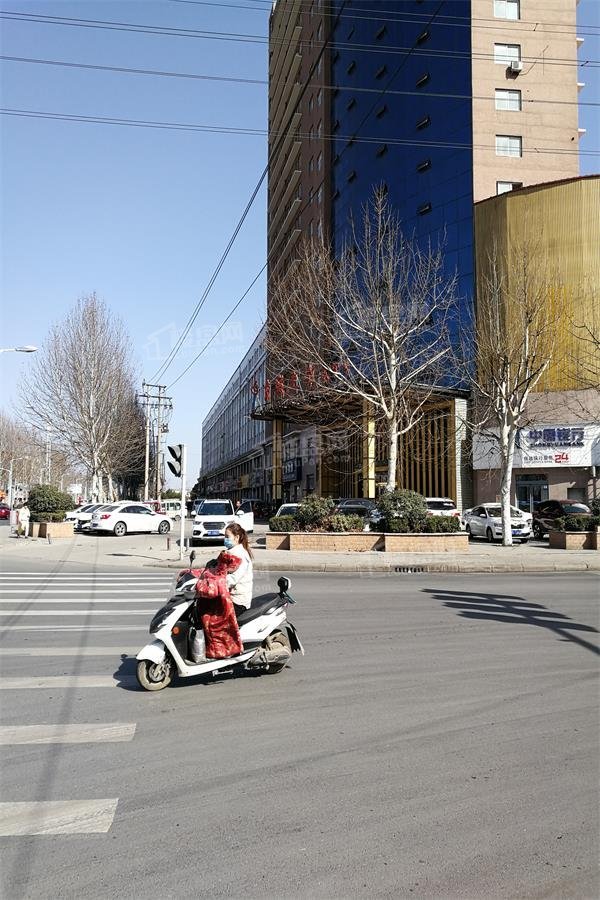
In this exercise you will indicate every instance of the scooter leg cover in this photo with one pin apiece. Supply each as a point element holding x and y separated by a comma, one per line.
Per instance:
<point>220,626</point>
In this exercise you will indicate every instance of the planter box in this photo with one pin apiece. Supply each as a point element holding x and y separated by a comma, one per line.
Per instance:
<point>455,542</point>
<point>34,529</point>
<point>55,529</point>
<point>573,540</point>
<point>277,540</point>
<point>335,541</point>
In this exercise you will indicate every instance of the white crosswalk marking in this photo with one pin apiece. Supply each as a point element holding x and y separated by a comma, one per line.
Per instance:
<point>159,600</point>
<point>63,681</point>
<point>57,817</point>
<point>65,734</point>
<point>76,612</point>
<point>67,651</point>
<point>65,627</point>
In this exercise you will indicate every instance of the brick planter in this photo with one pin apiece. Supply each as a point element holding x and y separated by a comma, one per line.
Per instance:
<point>455,542</point>
<point>335,541</point>
<point>277,540</point>
<point>55,529</point>
<point>34,529</point>
<point>573,540</point>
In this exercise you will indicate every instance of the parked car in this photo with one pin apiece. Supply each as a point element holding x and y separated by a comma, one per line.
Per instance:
<point>84,517</point>
<point>124,517</point>
<point>287,509</point>
<point>353,506</point>
<point>486,521</point>
<point>214,516</point>
<point>260,508</point>
<point>547,512</point>
<point>73,514</point>
<point>197,504</point>
<point>4,511</point>
<point>441,506</point>
<point>171,508</point>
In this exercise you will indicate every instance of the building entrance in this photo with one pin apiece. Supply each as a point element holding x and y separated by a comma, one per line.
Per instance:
<point>531,490</point>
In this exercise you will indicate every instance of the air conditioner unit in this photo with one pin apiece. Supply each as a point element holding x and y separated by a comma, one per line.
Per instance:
<point>516,66</point>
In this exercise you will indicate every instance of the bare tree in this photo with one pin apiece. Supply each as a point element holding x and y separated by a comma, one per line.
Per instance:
<point>515,331</point>
<point>368,331</point>
<point>81,387</point>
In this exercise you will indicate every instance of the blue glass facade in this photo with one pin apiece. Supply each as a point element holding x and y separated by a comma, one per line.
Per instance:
<point>391,126</point>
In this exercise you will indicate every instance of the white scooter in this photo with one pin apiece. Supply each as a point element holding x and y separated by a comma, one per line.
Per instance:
<point>268,638</point>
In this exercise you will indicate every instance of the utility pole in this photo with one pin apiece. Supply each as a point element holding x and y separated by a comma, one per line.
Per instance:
<point>161,404</point>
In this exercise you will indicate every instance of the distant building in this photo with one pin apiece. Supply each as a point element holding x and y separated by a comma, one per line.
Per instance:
<point>558,452</point>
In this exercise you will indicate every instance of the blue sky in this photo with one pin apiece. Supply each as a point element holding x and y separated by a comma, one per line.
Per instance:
<point>141,216</point>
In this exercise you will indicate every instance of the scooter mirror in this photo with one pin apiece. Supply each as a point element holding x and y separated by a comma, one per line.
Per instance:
<point>192,558</point>
<point>284,584</point>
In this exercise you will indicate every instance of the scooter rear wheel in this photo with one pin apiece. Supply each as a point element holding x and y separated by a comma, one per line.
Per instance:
<point>278,643</point>
<point>155,676</point>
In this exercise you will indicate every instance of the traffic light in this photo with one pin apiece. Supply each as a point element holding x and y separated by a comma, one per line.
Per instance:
<point>174,465</point>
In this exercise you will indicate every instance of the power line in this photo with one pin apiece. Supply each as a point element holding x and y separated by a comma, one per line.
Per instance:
<point>215,129</point>
<point>263,82</point>
<point>273,151</point>
<point>239,37</point>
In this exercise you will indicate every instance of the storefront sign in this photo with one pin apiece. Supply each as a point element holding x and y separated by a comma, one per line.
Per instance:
<point>543,446</point>
<point>291,470</point>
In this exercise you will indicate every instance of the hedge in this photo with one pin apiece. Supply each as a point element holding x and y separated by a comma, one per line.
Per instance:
<point>577,523</point>
<point>430,525</point>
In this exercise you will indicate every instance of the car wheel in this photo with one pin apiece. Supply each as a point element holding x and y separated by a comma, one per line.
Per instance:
<point>537,532</point>
<point>468,530</point>
<point>164,527</point>
<point>490,536</point>
<point>120,529</point>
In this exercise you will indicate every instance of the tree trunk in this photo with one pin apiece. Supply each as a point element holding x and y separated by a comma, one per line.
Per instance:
<point>392,455</point>
<point>507,449</point>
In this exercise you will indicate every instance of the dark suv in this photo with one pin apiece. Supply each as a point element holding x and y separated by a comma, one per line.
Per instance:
<point>546,514</point>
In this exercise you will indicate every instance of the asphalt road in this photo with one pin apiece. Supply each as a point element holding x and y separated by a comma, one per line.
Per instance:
<point>439,739</point>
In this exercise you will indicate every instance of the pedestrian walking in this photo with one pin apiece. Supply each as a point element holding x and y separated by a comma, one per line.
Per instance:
<point>23,515</point>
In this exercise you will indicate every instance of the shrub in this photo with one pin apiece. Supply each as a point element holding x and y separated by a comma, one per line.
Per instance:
<point>406,505</point>
<point>396,526</point>
<point>577,523</point>
<point>283,523</point>
<point>594,505</point>
<point>338,522</point>
<point>48,504</point>
<point>441,525</point>
<point>312,511</point>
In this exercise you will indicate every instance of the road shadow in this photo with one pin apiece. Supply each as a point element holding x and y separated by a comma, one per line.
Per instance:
<point>513,610</point>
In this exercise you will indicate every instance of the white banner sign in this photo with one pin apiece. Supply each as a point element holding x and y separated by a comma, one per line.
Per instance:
<point>543,446</point>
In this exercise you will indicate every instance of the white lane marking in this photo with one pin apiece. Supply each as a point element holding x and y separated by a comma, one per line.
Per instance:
<point>64,681</point>
<point>57,817</point>
<point>159,599</point>
<point>77,612</point>
<point>65,627</point>
<point>26,573</point>
<point>65,734</point>
<point>67,651</point>
<point>92,590</point>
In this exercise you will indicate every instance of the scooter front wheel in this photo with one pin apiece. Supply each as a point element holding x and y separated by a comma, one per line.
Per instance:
<point>154,676</point>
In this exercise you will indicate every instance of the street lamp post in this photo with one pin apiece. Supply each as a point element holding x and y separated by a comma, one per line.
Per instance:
<point>28,348</point>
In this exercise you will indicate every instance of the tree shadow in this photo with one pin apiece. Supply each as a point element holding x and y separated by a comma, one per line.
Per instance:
<point>514,611</point>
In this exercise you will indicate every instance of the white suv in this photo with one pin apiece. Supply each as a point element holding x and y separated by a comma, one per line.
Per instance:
<point>214,516</point>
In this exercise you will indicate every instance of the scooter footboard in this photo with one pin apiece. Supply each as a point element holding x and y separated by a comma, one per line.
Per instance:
<point>154,651</point>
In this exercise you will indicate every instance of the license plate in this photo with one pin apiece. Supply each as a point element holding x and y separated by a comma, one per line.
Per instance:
<point>516,531</point>
<point>213,533</point>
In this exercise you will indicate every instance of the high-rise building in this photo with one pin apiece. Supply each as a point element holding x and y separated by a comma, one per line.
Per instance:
<point>445,103</point>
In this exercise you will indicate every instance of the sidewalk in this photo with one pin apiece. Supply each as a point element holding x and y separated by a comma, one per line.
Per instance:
<point>151,551</point>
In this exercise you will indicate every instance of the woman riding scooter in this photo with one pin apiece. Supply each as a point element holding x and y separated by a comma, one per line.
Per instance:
<point>240,582</point>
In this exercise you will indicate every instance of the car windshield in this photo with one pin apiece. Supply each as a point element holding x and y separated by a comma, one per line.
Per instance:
<point>440,504</point>
<point>288,510</point>
<point>576,508</point>
<point>493,511</point>
<point>215,509</point>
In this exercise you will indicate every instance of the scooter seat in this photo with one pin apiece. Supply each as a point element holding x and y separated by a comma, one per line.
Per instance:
<point>258,608</point>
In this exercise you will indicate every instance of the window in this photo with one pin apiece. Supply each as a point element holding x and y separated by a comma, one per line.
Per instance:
<point>320,161</point>
<point>425,77</point>
<point>381,111</point>
<point>510,100</point>
<point>424,122</point>
<point>311,133</point>
<point>380,33</point>
<point>351,176</point>
<point>382,150</point>
<point>509,145</point>
<point>507,9</point>
<point>320,65</point>
<point>351,67</point>
<point>351,103</point>
<point>320,194</point>
<point>424,165</point>
<point>424,208</point>
<point>311,164</point>
<point>320,31</point>
<point>423,37</point>
<point>319,97</point>
<point>381,72</point>
<point>311,103</point>
<point>504,54</point>
<point>503,187</point>
<point>319,128</point>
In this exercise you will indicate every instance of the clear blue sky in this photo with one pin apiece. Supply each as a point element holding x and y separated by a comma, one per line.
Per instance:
<point>141,216</point>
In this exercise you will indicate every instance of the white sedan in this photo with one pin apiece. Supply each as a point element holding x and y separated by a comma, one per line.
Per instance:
<point>121,518</point>
<point>486,521</point>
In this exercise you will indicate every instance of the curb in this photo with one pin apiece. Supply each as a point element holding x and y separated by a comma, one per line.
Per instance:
<point>416,568</point>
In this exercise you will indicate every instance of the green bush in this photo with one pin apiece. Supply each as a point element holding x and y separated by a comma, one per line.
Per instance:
<point>577,523</point>
<point>312,511</point>
<point>283,523</point>
<point>48,504</point>
<point>338,522</point>
<point>406,505</point>
<point>394,526</point>
<point>594,505</point>
<point>441,525</point>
